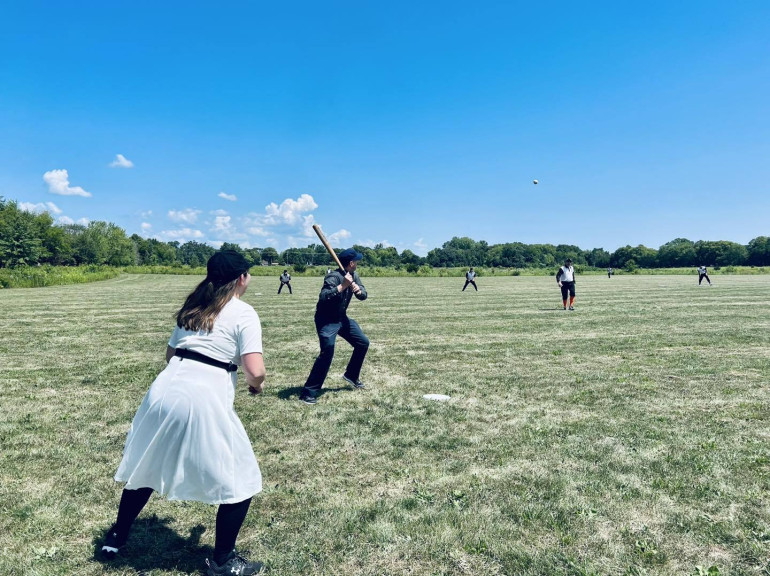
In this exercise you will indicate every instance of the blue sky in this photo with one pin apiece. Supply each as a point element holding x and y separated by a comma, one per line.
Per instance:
<point>405,123</point>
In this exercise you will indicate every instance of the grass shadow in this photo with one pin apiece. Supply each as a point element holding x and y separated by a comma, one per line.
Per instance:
<point>289,393</point>
<point>152,545</point>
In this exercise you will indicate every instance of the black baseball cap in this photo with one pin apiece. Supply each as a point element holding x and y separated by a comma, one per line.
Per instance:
<point>225,266</point>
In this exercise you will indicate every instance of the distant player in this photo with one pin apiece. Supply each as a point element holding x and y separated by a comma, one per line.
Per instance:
<point>609,272</point>
<point>703,273</point>
<point>565,278</point>
<point>285,279</point>
<point>470,277</point>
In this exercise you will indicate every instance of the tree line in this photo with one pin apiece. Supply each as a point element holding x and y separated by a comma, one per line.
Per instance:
<point>677,253</point>
<point>30,239</point>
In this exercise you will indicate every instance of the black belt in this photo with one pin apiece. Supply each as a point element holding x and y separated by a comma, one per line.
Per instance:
<point>198,357</point>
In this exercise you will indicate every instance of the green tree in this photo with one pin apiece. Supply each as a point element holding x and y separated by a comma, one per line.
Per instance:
<point>270,255</point>
<point>677,253</point>
<point>254,256</point>
<point>59,246</point>
<point>759,251</point>
<point>598,258</point>
<point>721,253</point>
<point>409,257</point>
<point>20,244</point>
<point>104,243</point>
<point>194,254</point>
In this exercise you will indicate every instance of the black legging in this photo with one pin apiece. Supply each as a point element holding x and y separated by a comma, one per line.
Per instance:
<point>470,282</point>
<point>230,518</point>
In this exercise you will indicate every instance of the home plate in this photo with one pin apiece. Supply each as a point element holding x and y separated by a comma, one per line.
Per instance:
<point>437,397</point>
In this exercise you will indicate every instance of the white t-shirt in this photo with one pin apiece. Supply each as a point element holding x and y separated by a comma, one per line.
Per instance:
<point>237,331</point>
<point>469,276</point>
<point>701,270</point>
<point>567,274</point>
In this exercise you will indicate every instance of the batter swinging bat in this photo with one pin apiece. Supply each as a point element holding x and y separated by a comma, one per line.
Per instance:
<point>328,246</point>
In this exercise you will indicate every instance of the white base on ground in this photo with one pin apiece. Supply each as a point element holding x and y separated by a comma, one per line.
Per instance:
<point>438,397</point>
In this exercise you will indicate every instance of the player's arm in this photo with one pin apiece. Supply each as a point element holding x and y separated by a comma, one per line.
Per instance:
<point>361,292</point>
<point>254,369</point>
<point>331,287</point>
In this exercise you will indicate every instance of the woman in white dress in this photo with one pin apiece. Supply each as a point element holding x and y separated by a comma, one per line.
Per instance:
<point>185,441</point>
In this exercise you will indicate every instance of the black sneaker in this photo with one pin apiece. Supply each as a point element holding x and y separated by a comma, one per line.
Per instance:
<point>571,307</point>
<point>308,399</point>
<point>236,565</point>
<point>354,383</point>
<point>112,543</point>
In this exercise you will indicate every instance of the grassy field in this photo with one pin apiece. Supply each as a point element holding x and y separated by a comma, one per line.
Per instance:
<point>629,437</point>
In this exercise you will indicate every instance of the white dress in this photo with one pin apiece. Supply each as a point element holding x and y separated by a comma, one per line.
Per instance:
<point>186,441</point>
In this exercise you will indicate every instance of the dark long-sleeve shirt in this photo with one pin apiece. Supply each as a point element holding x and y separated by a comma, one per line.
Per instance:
<point>332,304</point>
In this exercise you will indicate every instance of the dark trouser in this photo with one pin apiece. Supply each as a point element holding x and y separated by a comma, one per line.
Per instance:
<point>470,282</point>
<point>327,336</point>
<point>701,277</point>
<point>287,284</point>
<point>567,288</point>
<point>230,518</point>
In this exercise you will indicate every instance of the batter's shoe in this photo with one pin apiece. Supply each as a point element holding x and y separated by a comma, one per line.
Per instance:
<point>571,307</point>
<point>236,565</point>
<point>113,542</point>
<point>308,399</point>
<point>357,384</point>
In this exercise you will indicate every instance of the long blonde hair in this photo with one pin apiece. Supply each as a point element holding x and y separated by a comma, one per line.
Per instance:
<point>204,304</point>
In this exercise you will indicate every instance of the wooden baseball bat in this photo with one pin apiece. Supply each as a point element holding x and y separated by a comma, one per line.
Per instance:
<point>328,246</point>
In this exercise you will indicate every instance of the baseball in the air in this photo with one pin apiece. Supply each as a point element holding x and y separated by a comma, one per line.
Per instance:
<point>534,181</point>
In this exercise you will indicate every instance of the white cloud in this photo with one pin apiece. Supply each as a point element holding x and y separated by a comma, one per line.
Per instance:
<point>188,215</point>
<point>222,224</point>
<point>146,226</point>
<point>290,211</point>
<point>40,207</point>
<point>181,234</point>
<point>67,220</point>
<point>224,228</point>
<point>219,212</point>
<point>230,197</point>
<point>420,247</point>
<point>146,214</point>
<point>371,243</point>
<point>59,183</point>
<point>121,162</point>
<point>290,218</point>
<point>337,237</point>
<point>257,231</point>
